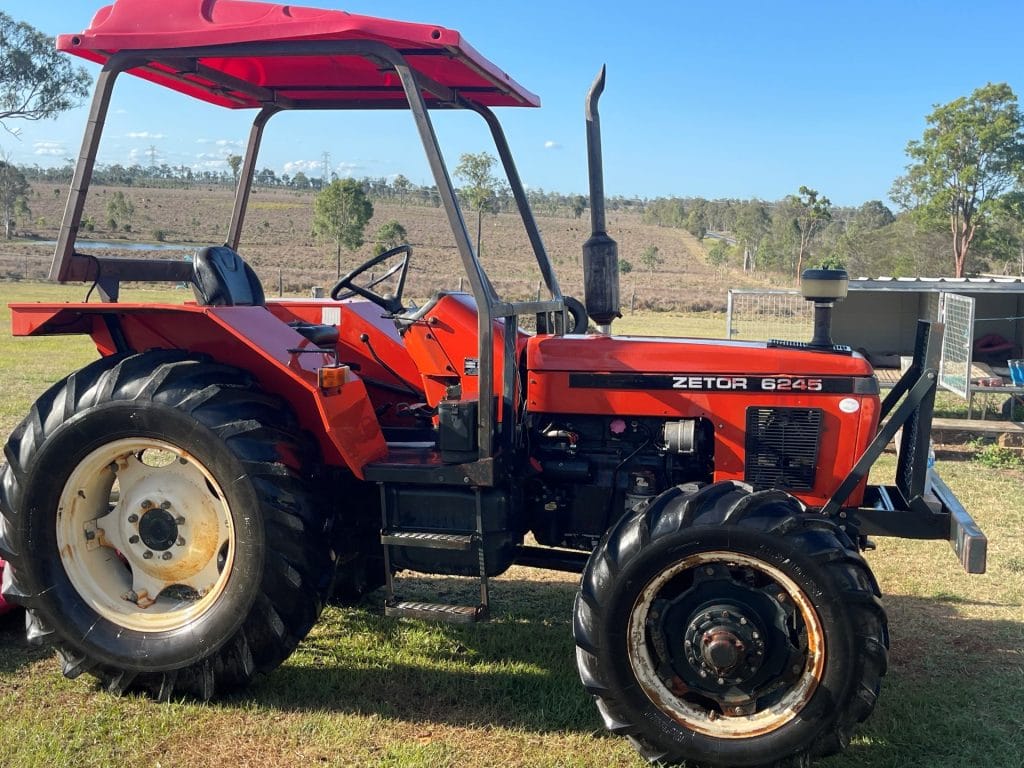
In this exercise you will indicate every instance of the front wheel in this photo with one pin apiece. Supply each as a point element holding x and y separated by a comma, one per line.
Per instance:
<point>730,628</point>
<point>158,528</point>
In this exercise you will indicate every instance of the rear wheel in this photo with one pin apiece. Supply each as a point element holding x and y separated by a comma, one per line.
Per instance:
<point>730,628</point>
<point>158,528</point>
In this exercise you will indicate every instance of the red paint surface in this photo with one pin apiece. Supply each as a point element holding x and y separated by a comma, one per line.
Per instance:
<point>551,360</point>
<point>133,25</point>
<point>250,338</point>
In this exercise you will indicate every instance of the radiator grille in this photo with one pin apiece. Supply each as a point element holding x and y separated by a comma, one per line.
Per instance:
<point>782,447</point>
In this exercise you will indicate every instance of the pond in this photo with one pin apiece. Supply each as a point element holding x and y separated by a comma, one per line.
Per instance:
<point>124,245</point>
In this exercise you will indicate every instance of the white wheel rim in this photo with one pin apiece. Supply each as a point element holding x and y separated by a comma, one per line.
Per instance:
<point>698,718</point>
<point>145,534</point>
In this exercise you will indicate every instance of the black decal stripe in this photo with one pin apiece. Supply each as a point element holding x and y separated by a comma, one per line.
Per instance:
<point>830,385</point>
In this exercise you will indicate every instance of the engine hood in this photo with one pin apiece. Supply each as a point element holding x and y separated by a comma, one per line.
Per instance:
<point>646,354</point>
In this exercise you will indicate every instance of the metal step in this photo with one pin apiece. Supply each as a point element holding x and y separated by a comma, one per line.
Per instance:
<point>426,540</point>
<point>453,614</point>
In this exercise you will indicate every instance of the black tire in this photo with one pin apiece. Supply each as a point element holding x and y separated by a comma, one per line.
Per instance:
<point>233,482</point>
<point>701,568</point>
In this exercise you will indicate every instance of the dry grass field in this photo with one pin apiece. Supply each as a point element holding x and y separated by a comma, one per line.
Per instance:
<point>364,690</point>
<point>279,244</point>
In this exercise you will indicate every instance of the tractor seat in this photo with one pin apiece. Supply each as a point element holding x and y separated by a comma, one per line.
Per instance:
<point>221,278</point>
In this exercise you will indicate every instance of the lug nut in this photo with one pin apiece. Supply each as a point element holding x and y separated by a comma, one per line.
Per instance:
<point>165,505</point>
<point>146,504</point>
<point>147,555</point>
<point>167,555</point>
<point>133,518</point>
<point>181,542</point>
<point>133,539</point>
<point>179,520</point>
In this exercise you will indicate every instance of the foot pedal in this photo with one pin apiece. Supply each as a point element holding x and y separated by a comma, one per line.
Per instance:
<point>428,540</point>
<point>452,614</point>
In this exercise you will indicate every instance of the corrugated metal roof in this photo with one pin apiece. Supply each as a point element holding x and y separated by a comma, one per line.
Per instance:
<point>950,284</point>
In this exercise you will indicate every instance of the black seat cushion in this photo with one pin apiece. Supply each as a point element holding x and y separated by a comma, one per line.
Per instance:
<point>321,335</point>
<point>222,279</point>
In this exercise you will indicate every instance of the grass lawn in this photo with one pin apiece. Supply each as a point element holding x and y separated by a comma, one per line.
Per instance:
<point>364,690</point>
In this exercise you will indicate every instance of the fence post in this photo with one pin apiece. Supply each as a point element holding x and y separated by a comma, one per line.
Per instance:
<point>280,282</point>
<point>728,315</point>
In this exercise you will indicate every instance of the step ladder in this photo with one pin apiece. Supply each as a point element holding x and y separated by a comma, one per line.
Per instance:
<point>393,535</point>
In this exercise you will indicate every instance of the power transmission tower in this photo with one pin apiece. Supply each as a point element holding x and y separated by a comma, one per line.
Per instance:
<point>325,173</point>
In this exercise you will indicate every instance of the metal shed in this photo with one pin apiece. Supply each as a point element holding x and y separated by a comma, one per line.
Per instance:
<point>878,317</point>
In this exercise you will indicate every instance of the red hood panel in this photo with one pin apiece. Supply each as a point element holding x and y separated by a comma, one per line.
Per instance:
<point>664,355</point>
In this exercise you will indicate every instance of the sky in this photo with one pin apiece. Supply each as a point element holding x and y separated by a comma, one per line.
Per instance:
<point>711,99</point>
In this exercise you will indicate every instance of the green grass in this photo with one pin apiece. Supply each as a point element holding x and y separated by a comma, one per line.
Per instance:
<point>364,690</point>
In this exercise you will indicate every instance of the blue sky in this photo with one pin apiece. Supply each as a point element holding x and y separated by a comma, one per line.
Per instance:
<point>741,99</point>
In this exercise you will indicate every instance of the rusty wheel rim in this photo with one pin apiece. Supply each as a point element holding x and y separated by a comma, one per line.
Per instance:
<point>145,534</point>
<point>706,635</point>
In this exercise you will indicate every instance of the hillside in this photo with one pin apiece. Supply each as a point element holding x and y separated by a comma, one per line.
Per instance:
<point>278,243</point>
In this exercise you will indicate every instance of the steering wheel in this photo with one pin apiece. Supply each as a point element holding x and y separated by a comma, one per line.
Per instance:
<point>392,302</point>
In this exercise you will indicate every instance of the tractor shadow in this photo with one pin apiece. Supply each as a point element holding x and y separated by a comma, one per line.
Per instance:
<point>517,670</point>
<point>15,651</point>
<point>953,686</point>
<point>953,691</point>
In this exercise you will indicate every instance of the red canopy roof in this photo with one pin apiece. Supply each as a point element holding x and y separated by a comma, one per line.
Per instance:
<point>310,80</point>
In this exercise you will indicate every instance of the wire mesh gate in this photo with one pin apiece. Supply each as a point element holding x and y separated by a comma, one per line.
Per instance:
<point>761,315</point>
<point>957,312</point>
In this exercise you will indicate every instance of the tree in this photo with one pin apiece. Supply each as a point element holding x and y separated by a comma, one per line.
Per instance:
<point>753,222</point>
<point>650,257</point>
<point>482,185</point>
<point>971,153</point>
<point>120,208</point>
<point>235,163</point>
<point>341,211</point>
<point>812,213</point>
<point>872,215</point>
<point>579,205</point>
<point>36,81</point>
<point>390,234</point>
<point>13,187</point>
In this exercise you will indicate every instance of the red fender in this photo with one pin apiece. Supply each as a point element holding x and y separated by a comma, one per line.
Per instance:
<point>251,338</point>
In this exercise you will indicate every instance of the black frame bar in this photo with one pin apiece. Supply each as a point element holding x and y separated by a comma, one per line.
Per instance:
<point>920,505</point>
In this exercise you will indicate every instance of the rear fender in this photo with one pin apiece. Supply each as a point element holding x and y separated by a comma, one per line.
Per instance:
<point>250,338</point>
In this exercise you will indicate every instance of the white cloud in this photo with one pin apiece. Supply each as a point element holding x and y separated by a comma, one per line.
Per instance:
<point>302,165</point>
<point>145,135</point>
<point>347,169</point>
<point>50,148</point>
<point>549,144</point>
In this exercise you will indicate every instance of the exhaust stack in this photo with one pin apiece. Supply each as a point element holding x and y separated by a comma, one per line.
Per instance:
<point>600,252</point>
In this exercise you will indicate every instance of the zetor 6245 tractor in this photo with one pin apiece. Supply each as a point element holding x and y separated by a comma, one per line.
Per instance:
<point>175,514</point>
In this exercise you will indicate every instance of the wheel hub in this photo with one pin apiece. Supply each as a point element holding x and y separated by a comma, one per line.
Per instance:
<point>723,644</point>
<point>158,530</point>
<point>165,519</point>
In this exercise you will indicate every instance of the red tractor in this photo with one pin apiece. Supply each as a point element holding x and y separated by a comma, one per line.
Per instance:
<point>175,514</point>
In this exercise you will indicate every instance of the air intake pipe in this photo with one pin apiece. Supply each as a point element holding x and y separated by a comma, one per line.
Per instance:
<point>600,252</point>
